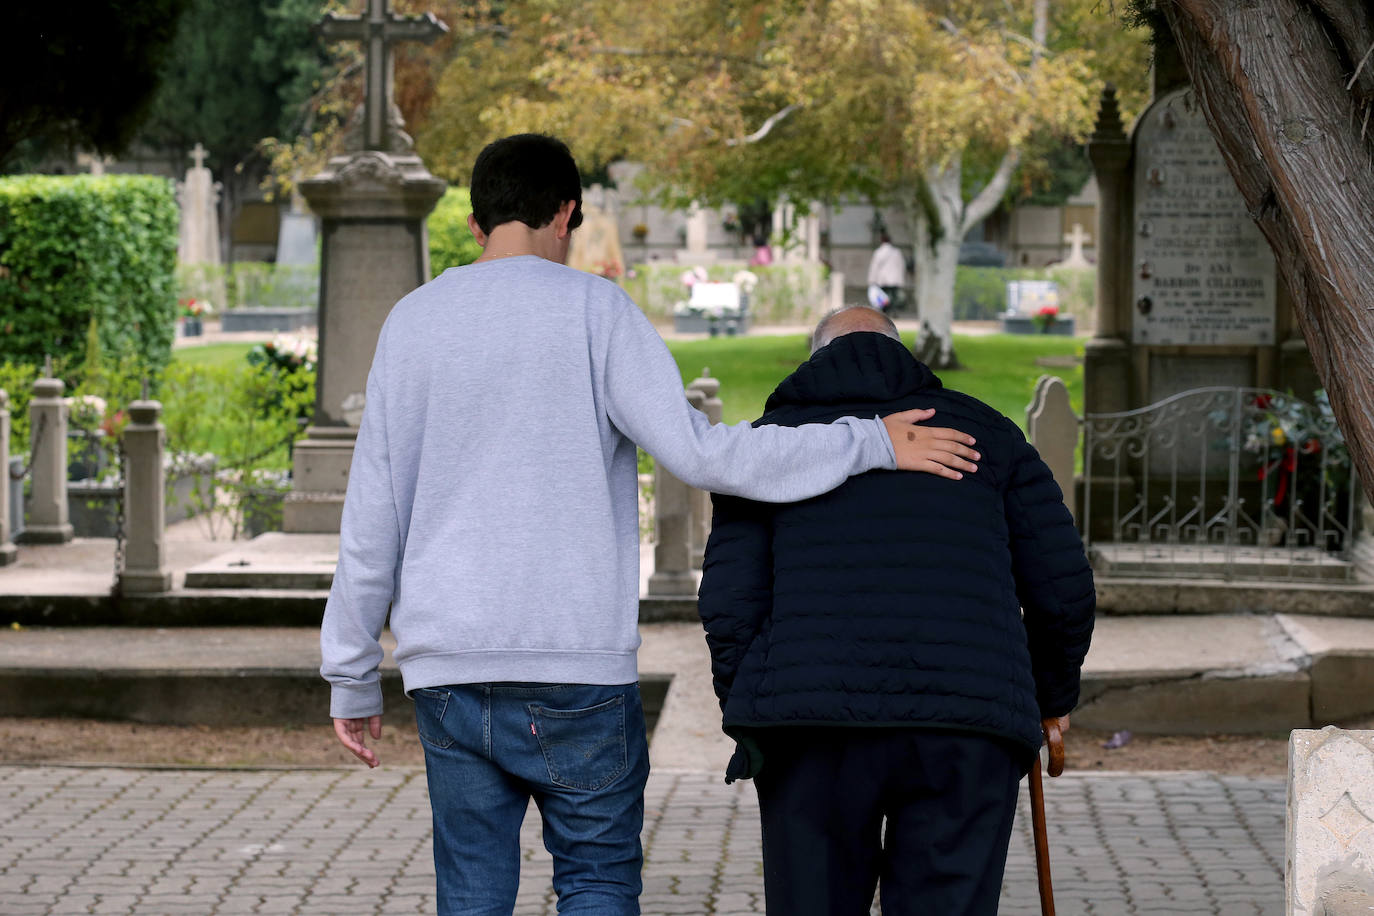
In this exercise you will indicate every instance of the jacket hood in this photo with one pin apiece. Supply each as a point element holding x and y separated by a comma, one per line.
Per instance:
<point>860,367</point>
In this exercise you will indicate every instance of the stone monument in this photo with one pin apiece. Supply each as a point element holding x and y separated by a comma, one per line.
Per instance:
<point>198,196</point>
<point>1187,291</point>
<point>372,203</point>
<point>296,236</point>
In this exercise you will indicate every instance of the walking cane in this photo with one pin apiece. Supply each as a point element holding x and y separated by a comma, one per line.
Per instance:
<point>1055,741</point>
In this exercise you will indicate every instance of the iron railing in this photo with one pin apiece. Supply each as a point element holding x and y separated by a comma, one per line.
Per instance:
<point>1220,482</point>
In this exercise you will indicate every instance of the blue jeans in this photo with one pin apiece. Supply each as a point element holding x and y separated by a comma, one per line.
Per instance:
<point>578,750</point>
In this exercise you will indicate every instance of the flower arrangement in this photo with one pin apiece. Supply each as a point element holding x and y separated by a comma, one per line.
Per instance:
<point>286,352</point>
<point>193,308</point>
<point>640,232</point>
<point>694,275</point>
<point>746,280</point>
<point>1281,431</point>
<point>730,223</point>
<point>1045,318</point>
<point>86,410</point>
<point>608,269</point>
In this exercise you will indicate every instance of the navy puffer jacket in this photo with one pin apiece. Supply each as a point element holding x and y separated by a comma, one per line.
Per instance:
<point>896,599</point>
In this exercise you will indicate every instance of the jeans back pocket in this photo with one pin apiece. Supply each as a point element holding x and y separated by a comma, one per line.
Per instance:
<point>430,706</point>
<point>583,748</point>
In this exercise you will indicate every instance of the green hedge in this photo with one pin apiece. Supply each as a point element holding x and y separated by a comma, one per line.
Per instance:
<point>450,241</point>
<point>82,248</point>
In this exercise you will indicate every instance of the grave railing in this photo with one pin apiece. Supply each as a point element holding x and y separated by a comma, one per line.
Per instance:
<point>1229,483</point>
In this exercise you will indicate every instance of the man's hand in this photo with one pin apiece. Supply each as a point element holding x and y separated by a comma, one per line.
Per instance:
<point>932,449</point>
<point>350,733</point>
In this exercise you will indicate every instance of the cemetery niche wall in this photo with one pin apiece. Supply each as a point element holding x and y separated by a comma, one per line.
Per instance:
<point>1188,298</point>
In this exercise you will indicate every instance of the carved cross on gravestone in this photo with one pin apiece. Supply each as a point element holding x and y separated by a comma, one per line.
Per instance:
<point>198,153</point>
<point>379,30</point>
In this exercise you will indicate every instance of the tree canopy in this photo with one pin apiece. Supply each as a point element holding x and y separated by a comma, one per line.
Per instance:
<point>80,74</point>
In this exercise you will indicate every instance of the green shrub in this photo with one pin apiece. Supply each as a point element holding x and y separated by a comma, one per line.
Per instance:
<point>450,241</point>
<point>79,248</point>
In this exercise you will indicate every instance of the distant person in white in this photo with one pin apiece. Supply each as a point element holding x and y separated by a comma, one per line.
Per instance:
<point>492,517</point>
<point>887,271</point>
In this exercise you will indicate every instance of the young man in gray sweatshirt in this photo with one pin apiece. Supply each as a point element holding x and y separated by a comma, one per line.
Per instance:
<point>492,511</point>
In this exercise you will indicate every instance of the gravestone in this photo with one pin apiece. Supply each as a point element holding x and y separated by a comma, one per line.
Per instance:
<point>1330,835</point>
<point>372,203</point>
<point>595,246</point>
<point>1033,308</point>
<point>296,236</point>
<point>698,228</point>
<point>1052,427</point>
<point>1076,240</point>
<point>198,195</point>
<point>8,552</point>
<point>1187,289</point>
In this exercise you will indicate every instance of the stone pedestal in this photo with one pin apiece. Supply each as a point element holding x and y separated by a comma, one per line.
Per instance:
<point>1330,822</point>
<point>145,507</point>
<point>672,575</point>
<point>372,207</point>
<point>703,394</point>
<point>48,520</point>
<point>8,552</point>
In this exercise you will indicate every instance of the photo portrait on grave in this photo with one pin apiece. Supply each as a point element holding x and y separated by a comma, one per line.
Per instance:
<point>492,512</point>
<point>871,654</point>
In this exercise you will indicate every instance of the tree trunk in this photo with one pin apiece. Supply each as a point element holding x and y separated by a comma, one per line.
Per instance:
<point>1272,81</point>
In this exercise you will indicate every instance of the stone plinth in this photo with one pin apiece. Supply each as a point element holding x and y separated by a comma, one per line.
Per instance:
<point>1330,822</point>
<point>372,206</point>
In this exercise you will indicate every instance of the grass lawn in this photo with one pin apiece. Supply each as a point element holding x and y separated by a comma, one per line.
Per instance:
<point>1000,369</point>
<point>219,354</point>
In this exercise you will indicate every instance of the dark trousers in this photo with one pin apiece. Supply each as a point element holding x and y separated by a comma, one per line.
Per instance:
<point>948,797</point>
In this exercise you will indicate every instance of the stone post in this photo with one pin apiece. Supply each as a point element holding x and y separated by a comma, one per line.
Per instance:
<point>1107,369</point>
<point>672,576</point>
<point>145,508</point>
<point>1053,429</point>
<point>8,553</point>
<point>1330,835</point>
<point>48,520</point>
<point>702,394</point>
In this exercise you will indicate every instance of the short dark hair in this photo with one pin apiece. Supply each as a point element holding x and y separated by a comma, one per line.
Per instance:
<point>525,177</point>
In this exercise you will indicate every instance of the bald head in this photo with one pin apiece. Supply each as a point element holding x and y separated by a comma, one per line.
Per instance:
<point>850,319</point>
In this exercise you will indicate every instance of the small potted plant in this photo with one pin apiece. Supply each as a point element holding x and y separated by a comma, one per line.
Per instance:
<point>192,312</point>
<point>1045,318</point>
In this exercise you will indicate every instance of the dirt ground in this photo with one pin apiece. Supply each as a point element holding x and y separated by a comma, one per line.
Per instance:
<point>29,741</point>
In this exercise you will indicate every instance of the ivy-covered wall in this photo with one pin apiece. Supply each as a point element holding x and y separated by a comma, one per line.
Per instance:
<point>78,248</point>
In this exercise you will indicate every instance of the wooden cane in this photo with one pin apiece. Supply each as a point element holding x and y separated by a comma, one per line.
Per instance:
<point>1055,741</point>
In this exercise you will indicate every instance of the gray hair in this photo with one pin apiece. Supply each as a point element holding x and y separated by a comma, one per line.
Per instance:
<point>848,319</point>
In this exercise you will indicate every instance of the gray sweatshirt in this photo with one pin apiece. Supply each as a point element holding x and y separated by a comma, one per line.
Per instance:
<point>492,501</point>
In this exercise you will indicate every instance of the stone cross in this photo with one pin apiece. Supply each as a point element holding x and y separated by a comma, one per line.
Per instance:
<point>1075,240</point>
<point>378,31</point>
<point>198,154</point>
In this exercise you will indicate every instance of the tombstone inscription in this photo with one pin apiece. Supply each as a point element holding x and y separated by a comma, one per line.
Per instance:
<point>1203,273</point>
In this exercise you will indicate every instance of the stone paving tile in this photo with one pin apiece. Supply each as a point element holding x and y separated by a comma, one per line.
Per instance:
<point>352,842</point>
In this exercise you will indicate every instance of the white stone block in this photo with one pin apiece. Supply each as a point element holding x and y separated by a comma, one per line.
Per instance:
<point>1330,861</point>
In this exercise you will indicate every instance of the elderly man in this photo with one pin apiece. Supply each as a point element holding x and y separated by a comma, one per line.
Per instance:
<point>889,649</point>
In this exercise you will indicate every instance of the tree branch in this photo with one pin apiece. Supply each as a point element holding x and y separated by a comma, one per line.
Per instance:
<point>768,125</point>
<point>981,207</point>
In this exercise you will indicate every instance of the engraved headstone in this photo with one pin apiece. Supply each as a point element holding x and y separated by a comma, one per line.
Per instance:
<point>1203,273</point>
<point>1330,822</point>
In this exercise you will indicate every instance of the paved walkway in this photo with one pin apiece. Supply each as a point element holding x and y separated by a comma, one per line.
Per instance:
<point>351,842</point>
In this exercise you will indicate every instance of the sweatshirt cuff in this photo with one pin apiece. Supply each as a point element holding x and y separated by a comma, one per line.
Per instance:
<point>355,701</point>
<point>887,457</point>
